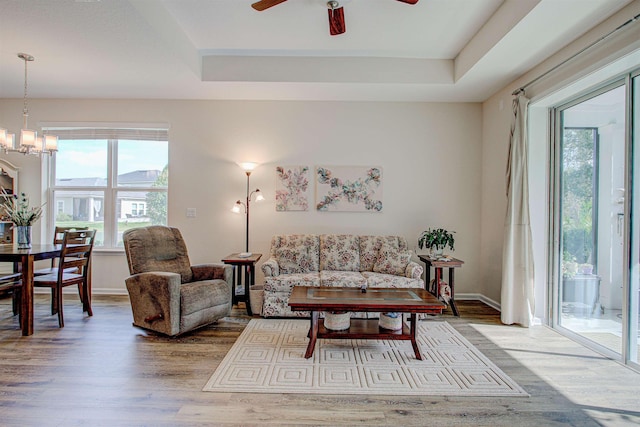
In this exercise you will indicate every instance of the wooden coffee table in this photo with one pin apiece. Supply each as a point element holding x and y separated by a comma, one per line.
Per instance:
<point>385,300</point>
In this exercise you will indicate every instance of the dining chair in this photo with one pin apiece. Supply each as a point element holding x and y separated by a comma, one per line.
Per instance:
<point>58,236</point>
<point>73,269</point>
<point>12,284</point>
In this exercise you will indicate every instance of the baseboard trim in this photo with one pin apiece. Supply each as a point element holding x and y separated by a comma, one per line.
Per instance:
<point>110,291</point>
<point>479,297</point>
<point>106,291</point>
<point>94,291</point>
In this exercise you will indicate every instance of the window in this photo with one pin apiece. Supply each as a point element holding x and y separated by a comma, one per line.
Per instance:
<point>110,180</point>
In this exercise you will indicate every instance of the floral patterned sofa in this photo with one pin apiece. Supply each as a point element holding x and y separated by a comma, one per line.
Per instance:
<point>334,260</point>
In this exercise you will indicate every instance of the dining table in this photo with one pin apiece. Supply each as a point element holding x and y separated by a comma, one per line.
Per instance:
<point>25,258</point>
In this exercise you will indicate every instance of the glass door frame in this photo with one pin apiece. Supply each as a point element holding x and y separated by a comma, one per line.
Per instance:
<point>555,215</point>
<point>632,249</point>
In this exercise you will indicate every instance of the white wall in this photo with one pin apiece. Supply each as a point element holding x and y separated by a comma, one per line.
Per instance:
<point>429,154</point>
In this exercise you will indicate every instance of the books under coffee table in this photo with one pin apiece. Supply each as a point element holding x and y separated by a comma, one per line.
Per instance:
<point>398,300</point>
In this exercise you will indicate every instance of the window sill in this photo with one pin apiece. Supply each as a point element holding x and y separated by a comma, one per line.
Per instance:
<point>108,251</point>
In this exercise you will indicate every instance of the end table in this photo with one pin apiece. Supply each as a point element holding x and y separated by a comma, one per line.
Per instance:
<point>243,273</point>
<point>452,264</point>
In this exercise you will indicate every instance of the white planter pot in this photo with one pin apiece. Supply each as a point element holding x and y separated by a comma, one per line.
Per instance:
<point>337,321</point>
<point>390,323</point>
<point>256,297</point>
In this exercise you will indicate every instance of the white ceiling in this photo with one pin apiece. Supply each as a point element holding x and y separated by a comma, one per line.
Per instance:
<point>436,50</point>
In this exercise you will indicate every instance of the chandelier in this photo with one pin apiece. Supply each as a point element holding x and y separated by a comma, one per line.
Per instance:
<point>30,142</point>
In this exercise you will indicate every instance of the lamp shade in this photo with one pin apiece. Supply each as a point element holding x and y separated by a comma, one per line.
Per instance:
<point>3,138</point>
<point>11,141</point>
<point>39,145</point>
<point>51,143</point>
<point>27,139</point>
<point>248,166</point>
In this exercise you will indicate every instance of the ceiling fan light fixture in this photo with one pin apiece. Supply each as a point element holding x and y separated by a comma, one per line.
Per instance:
<point>336,18</point>
<point>336,13</point>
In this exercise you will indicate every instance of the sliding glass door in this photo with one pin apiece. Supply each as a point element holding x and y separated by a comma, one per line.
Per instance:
<point>632,296</point>
<point>596,297</point>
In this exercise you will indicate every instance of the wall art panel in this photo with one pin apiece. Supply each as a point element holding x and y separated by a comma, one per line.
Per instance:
<point>349,188</point>
<point>292,188</point>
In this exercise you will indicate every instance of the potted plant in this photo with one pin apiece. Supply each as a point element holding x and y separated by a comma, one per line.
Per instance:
<point>586,269</point>
<point>436,240</point>
<point>18,211</point>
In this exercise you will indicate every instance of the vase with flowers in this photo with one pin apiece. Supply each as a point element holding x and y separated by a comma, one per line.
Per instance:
<point>17,210</point>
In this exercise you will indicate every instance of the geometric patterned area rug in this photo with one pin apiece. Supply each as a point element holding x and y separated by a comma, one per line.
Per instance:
<point>268,357</point>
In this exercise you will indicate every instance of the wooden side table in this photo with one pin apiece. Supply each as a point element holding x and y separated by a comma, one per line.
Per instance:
<point>243,273</point>
<point>452,264</point>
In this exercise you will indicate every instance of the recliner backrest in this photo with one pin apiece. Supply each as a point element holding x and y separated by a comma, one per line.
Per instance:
<point>157,248</point>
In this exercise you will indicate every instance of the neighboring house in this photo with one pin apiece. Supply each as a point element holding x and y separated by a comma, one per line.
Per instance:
<point>86,205</point>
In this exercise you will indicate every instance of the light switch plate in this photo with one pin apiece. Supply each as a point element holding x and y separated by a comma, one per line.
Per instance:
<point>191,212</point>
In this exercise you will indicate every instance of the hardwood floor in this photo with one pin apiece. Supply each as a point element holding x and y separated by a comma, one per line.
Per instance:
<point>102,371</point>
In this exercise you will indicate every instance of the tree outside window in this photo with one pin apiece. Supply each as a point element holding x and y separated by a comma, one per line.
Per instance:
<point>578,198</point>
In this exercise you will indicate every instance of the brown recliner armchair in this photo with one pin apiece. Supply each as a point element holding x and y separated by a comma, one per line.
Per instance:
<point>168,294</point>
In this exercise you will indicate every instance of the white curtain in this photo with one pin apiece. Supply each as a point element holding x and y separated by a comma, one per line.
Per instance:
<point>517,298</point>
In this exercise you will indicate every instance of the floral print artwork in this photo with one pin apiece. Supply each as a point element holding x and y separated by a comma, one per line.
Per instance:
<point>342,188</point>
<point>292,188</point>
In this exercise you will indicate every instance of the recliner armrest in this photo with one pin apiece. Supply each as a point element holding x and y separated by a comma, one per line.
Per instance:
<point>212,271</point>
<point>155,300</point>
<point>270,268</point>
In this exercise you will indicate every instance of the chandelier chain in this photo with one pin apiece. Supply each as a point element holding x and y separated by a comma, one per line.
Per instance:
<point>25,110</point>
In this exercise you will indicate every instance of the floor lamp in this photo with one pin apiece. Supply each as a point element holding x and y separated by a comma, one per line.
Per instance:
<point>248,167</point>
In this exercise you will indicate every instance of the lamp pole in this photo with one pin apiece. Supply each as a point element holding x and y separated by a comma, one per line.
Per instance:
<point>248,167</point>
<point>247,207</point>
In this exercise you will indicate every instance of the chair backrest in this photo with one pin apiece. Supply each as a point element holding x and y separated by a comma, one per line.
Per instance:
<point>157,248</point>
<point>58,236</point>
<point>76,251</point>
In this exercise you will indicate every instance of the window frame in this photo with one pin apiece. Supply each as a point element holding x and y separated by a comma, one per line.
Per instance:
<point>111,190</point>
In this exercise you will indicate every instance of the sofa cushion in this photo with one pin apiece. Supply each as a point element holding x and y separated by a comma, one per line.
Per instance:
<point>285,283</point>
<point>381,280</point>
<point>391,260</point>
<point>296,253</point>
<point>345,279</point>
<point>370,247</point>
<point>339,252</point>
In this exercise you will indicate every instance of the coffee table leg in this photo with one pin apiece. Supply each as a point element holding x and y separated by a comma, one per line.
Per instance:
<point>414,327</point>
<point>313,334</point>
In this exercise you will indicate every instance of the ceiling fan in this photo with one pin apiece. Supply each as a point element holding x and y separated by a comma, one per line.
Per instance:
<point>336,13</point>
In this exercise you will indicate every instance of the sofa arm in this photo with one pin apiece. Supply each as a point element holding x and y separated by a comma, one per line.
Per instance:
<point>213,271</point>
<point>414,270</point>
<point>155,301</point>
<point>270,268</point>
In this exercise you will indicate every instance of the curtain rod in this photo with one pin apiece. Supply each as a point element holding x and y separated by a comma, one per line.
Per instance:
<point>522,88</point>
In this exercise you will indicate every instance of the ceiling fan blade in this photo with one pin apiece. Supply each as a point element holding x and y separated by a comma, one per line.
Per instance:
<point>266,4</point>
<point>336,21</point>
<point>409,1</point>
